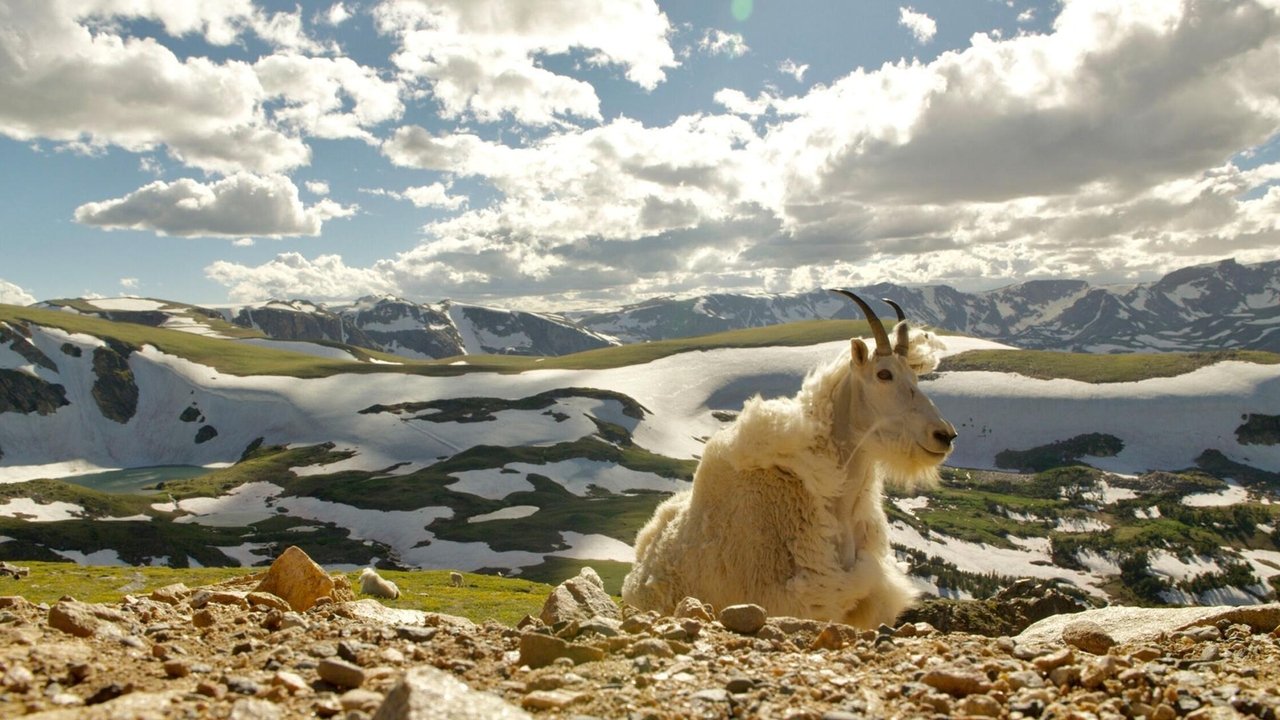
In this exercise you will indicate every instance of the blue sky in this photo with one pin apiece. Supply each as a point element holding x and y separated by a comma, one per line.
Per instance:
<point>560,154</point>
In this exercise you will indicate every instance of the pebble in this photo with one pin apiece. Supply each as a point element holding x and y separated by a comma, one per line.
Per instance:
<point>549,700</point>
<point>340,673</point>
<point>958,683</point>
<point>1088,636</point>
<point>743,619</point>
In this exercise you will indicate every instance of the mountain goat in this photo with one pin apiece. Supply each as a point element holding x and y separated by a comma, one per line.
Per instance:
<point>785,509</point>
<point>371,583</point>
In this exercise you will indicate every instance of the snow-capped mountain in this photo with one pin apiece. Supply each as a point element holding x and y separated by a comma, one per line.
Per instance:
<point>400,327</point>
<point>1223,305</point>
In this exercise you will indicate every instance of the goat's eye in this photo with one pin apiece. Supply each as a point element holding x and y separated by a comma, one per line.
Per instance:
<point>884,375</point>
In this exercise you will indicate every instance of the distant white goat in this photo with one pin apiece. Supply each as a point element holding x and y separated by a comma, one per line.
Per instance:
<point>371,583</point>
<point>786,508</point>
<point>455,579</point>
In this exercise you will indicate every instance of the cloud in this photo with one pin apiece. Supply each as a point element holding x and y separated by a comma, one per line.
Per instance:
<point>789,67</point>
<point>433,195</point>
<point>315,93</point>
<point>922,27</point>
<point>235,206</point>
<point>719,42</point>
<point>243,242</point>
<point>11,294</point>
<point>478,59</point>
<point>290,275</point>
<point>206,114</point>
<point>129,283</point>
<point>317,187</point>
<point>337,14</point>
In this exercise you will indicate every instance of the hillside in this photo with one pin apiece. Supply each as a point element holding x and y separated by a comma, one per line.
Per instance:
<point>538,466</point>
<point>1220,306</point>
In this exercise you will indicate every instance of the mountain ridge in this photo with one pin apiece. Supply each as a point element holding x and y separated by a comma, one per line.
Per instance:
<point>1221,305</point>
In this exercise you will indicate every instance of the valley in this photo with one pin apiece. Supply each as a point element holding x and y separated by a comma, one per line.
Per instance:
<point>1138,479</point>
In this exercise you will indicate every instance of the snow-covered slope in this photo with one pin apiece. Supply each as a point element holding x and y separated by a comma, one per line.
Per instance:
<point>392,425</point>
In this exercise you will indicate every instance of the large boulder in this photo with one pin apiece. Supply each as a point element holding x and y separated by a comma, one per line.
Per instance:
<point>297,579</point>
<point>1137,624</point>
<point>579,598</point>
<point>425,693</point>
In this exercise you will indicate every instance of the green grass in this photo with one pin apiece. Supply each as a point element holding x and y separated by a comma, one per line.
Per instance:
<point>243,359</point>
<point>1132,367</point>
<point>482,597</point>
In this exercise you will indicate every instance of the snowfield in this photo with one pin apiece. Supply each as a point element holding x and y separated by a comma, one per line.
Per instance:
<point>1164,423</point>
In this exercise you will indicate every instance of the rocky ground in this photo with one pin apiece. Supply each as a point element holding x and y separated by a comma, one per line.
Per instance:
<point>268,647</point>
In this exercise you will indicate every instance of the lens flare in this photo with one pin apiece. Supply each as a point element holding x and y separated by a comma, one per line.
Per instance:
<point>741,9</point>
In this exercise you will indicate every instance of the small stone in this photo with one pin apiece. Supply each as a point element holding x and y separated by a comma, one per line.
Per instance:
<point>177,668</point>
<point>691,607</point>
<point>18,679</point>
<point>360,699</point>
<point>290,681</point>
<point>241,685</point>
<point>83,620</point>
<point>1024,679</point>
<point>253,709</point>
<point>211,689</point>
<point>204,618</point>
<point>1045,663</point>
<point>171,594</point>
<point>650,647</point>
<point>744,619</point>
<point>979,706</point>
<point>712,695</point>
<point>426,693</point>
<point>340,673</point>
<point>538,650</point>
<point>261,599</point>
<point>1099,671</point>
<point>1087,636</point>
<point>549,700</point>
<point>740,684</point>
<point>829,639</point>
<point>958,683</point>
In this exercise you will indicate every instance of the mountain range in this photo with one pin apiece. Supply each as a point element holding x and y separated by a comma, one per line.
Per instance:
<point>1225,305</point>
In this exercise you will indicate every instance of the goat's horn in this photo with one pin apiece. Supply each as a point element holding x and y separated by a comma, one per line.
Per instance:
<point>877,329</point>
<point>901,348</point>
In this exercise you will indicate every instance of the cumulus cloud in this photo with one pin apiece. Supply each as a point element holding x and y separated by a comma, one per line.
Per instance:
<point>1093,148</point>
<point>206,114</point>
<point>317,187</point>
<point>235,206</point>
<point>922,27</point>
<point>290,275</point>
<point>719,42</point>
<point>316,91</point>
<point>433,195</point>
<point>337,14</point>
<point>480,60</point>
<point>11,294</point>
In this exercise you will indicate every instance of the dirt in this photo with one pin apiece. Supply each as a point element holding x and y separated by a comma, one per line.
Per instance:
<point>224,651</point>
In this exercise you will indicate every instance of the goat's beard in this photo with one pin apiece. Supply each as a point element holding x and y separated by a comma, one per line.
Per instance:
<point>908,467</point>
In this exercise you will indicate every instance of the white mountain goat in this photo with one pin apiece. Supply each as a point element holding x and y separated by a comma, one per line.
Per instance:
<point>785,509</point>
<point>371,583</point>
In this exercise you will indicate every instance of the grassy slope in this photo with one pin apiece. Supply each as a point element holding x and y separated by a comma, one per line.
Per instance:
<point>1047,365</point>
<point>481,598</point>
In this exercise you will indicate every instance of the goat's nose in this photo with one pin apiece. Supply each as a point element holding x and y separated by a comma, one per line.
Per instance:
<point>945,436</point>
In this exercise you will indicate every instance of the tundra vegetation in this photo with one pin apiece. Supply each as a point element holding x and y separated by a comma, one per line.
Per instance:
<point>1066,507</point>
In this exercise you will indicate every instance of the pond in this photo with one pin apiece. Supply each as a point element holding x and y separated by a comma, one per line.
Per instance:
<point>136,480</point>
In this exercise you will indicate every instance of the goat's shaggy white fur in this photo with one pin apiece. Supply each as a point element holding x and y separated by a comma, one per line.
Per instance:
<point>371,583</point>
<point>455,579</point>
<point>786,505</point>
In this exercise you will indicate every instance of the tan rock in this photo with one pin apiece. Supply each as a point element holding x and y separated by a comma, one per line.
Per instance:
<point>425,693</point>
<point>171,594</point>
<point>1140,625</point>
<point>297,579</point>
<point>579,598</point>
<point>83,619</point>
<point>1088,636</point>
<point>694,608</point>
<point>745,619</point>
<point>957,683</point>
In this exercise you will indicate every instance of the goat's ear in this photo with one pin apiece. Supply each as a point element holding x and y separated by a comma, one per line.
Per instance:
<point>859,352</point>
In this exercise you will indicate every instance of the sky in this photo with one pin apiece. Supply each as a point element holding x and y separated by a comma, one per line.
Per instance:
<point>570,154</point>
